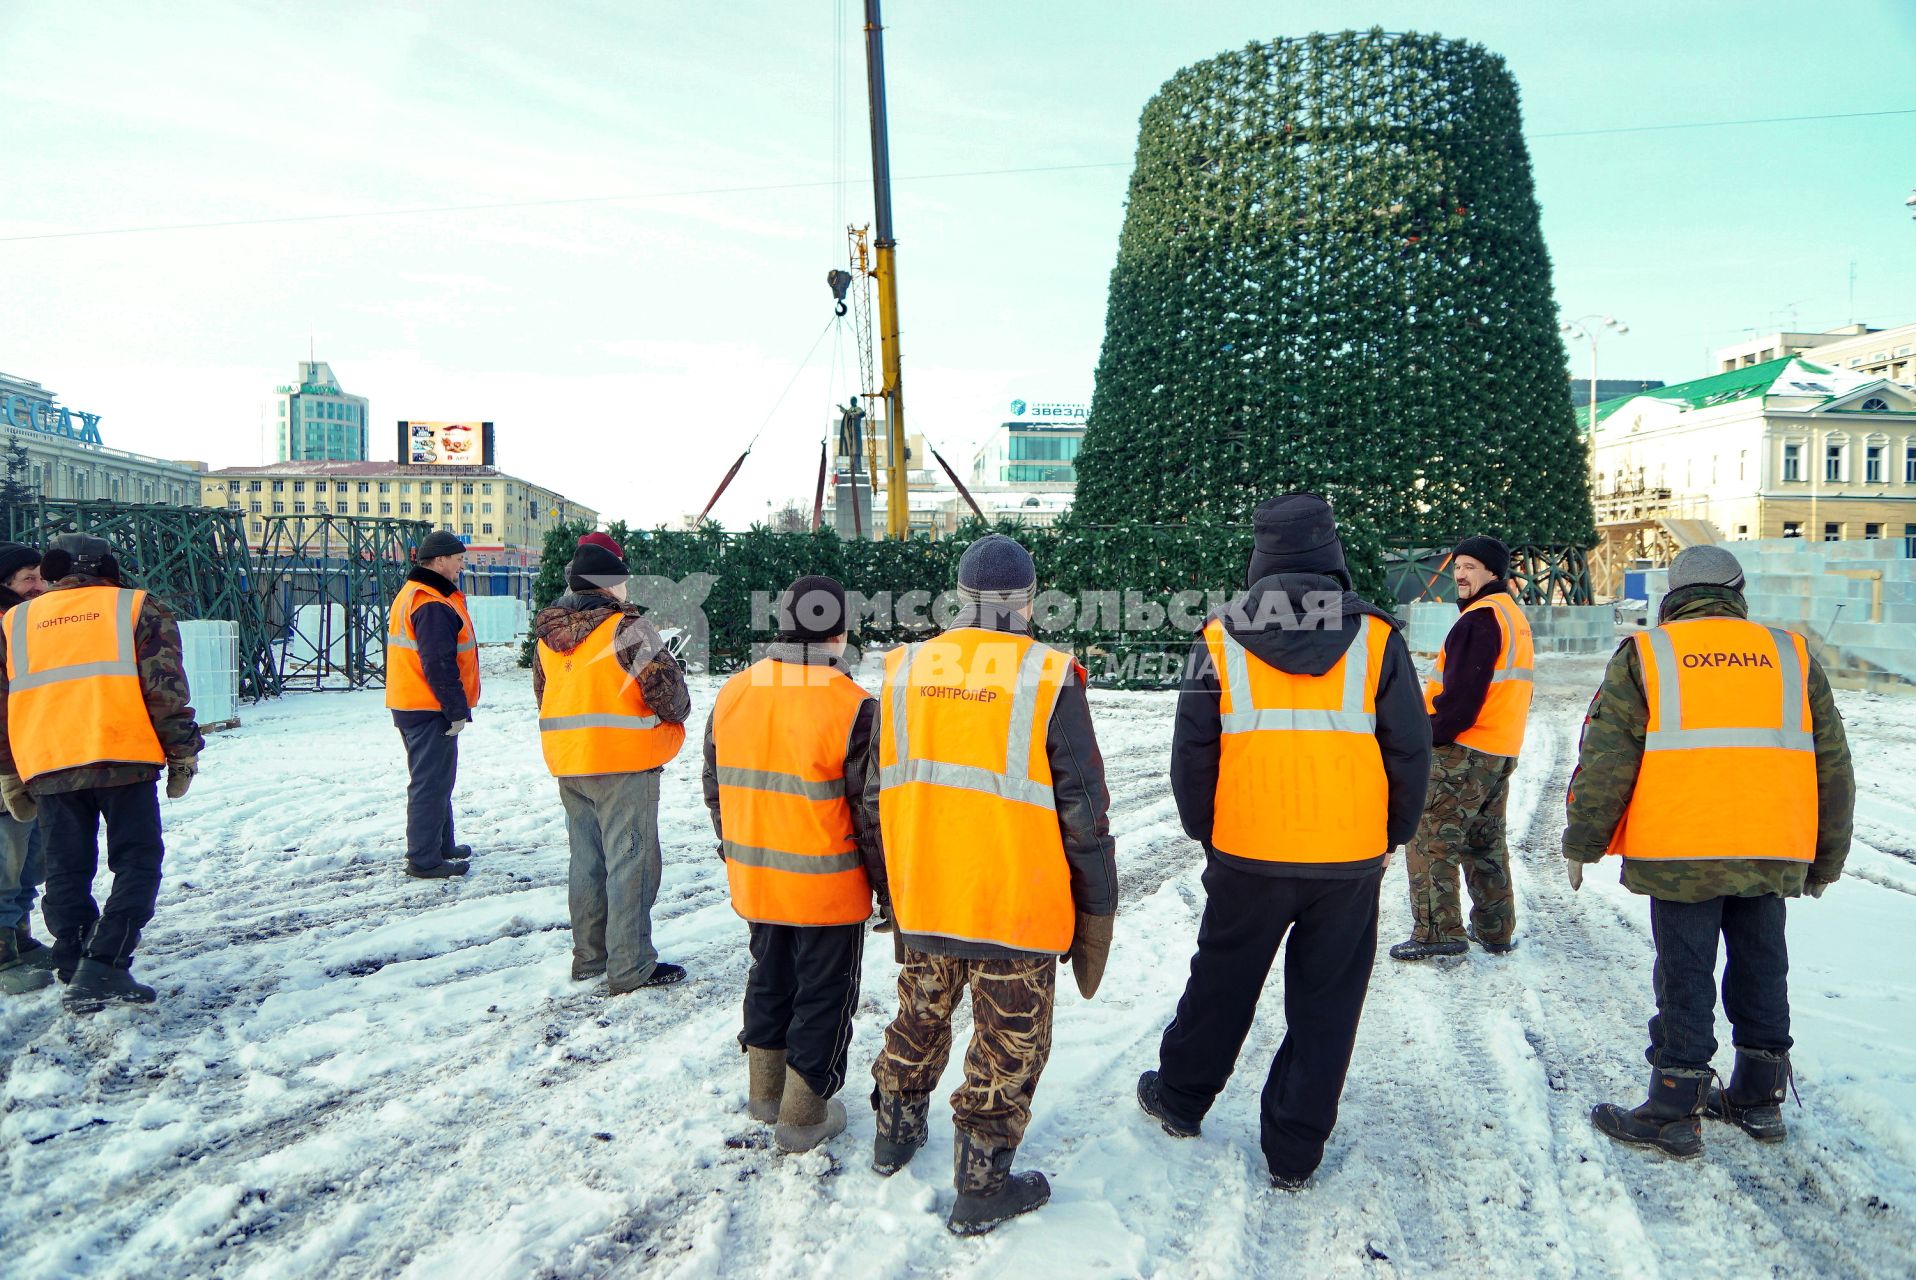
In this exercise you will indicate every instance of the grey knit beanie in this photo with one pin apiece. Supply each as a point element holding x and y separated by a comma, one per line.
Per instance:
<point>1705,566</point>
<point>996,570</point>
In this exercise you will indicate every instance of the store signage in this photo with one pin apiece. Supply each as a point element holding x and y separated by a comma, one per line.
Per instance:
<point>1050,409</point>
<point>50,419</point>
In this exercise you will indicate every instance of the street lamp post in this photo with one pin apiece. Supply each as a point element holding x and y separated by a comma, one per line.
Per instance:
<point>1590,328</point>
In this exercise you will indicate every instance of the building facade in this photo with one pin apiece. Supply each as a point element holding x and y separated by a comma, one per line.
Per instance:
<point>1035,450</point>
<point>502,519</point>
<point>315,421</point>
<point>1787,448</point>
<point>66,458</point>
<point>1853,348</point>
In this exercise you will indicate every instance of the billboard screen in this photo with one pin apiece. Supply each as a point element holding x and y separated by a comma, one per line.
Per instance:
<point>445,444</point>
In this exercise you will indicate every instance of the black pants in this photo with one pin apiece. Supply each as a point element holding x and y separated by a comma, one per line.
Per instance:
<point>70,825</point>
<point>1333,931</point>
<point>432,760</point>
<point>800,996</point>
<point>1756,989</point>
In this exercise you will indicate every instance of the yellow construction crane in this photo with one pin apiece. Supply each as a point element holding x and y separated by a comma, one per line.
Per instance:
<point>885,271</point>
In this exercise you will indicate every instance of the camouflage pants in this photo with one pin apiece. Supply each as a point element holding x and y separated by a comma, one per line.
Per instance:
<point>1462,827</point>
<point>1011,1002</point>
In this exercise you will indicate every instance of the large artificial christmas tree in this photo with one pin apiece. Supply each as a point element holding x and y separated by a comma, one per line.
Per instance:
<point>1331,277</point>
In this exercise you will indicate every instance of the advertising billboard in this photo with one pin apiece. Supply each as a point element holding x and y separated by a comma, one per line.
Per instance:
<point>445,444</point>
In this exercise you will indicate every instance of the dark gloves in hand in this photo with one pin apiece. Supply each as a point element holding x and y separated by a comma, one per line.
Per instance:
<point>1090,946</point>
<point>1815,887</point>
<point>179,776</point>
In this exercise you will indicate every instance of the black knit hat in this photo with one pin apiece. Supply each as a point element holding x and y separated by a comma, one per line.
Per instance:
<point>15,557</point>
<point>440,542</point>
<point>1487,551</point>
<point>81,553</point>
<point>812,610</point>
<point>593,568</point>
<point>1296,533</point>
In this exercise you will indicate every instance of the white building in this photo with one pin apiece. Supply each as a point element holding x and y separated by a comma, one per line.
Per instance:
<point>1853,348</point>
<point>66,458</point>
<point>1034,450</point>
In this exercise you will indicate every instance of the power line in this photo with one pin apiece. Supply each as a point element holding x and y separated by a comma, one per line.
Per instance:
<point>574,201</point>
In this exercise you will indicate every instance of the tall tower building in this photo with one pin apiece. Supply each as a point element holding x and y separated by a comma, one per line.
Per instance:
<point>317,422</point>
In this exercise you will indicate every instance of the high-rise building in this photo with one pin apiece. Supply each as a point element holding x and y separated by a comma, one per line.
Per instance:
<point>1035,449</point>
<point>316,421</point>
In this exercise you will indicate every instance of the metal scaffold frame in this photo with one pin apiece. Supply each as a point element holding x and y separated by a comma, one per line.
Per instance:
<point>333,579</point>
<point>197,560</point>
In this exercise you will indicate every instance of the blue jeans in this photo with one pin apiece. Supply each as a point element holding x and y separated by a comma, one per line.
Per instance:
<point>23,867</point>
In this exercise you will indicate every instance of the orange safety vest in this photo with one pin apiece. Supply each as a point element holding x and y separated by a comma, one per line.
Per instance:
<point>1300,776</point>
<point>1498,730</point>
<point>972,845</point>
<point>594,718</point>
<point>1729,756</point>
<point>779,733</point>
<point>73,682</point>
<point>406,687</point>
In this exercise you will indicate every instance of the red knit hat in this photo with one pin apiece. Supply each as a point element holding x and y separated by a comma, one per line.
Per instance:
<point>603,541</point>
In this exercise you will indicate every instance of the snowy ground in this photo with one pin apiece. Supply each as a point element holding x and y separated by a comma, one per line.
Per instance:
<point>353,1073</point>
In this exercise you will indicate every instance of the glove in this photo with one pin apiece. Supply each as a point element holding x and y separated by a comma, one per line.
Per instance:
<point>456,728</point>
<point>884,923</point>
<point>19,803</point>
<point>898,947</point>
<point>1390,856</point>
<point>720,846</point>
<point>1574,870</point>
<point>1814,888</point>
<point>179,776</point>
<point>1090,946</point>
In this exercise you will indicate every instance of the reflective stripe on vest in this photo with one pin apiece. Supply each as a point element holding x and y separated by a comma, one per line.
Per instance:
<point>1729,753</point>
<point>594,720</point>
<point>406,686</point>
<point>1501,720</point>
<point>780,735</point>
<point>88,711</point>
<point>1014,782</point>
<point>970,823</point>
<point>1299,781</point>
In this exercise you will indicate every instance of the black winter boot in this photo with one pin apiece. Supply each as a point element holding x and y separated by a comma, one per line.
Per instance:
<point>67,950</point>
<point>32,951</point>
<point>1667,1120</point>
<point>1753,1102</point>
<point>1494,948</point>
<point>1412,949</point>
<point>988,1192</point>
<point>1153,1103</point>
<point>903,1123</point>
<point>19,975</point>
<point>96,984</point>
<point>444,870</point>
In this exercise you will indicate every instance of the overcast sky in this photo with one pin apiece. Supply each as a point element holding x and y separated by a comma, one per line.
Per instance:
<point>628,349</point>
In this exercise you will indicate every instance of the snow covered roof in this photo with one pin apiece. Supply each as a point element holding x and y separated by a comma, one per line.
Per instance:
<point>1790,377</point>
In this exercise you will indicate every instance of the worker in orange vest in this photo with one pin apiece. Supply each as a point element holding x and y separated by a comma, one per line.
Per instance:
<point>1298,761</point>
<point>1714,762</point>
<point>96,707</point>
<point>1479,701</point>
<point>785,754</point>
<point>612,707</point>
<point>432,686</point>
<point>989,793</point>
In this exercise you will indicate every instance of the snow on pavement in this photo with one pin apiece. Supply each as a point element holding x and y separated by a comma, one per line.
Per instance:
<point>355,1073</point>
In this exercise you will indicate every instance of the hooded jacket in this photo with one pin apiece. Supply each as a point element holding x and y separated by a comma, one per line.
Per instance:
<point>436,627</point>
<point>1078,790</point>
<point>1259,622</point>
<point>564,625</point>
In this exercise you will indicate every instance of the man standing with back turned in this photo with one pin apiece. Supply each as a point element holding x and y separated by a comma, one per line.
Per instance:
<point>432,685</point>
<point>96,707</point>
<point>1479,701</point>
<point>990,796</point>
<point>1298,761</point>
<point>1714,761</point>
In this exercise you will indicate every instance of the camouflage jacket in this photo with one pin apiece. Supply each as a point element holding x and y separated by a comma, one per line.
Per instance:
<point>1612,752</point>
<point>156,641</point>
<point>564,625</point>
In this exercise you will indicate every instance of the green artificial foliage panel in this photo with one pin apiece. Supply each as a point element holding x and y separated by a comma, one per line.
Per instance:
<point>1332,278</point>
